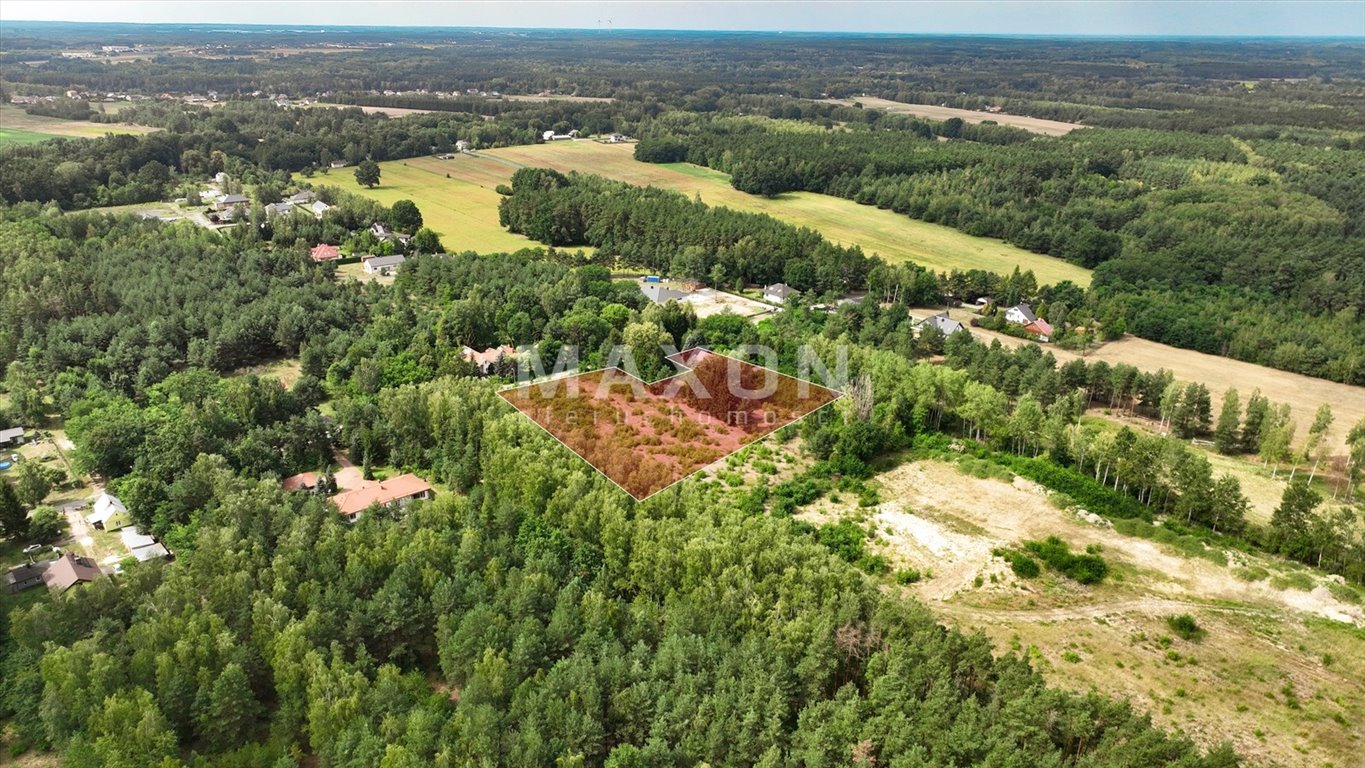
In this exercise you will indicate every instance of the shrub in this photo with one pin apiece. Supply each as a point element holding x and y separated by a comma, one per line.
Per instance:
<point>1185,626</point>
<point>908,576</point>
<point>1086,569</point>
<point>1024,566</point>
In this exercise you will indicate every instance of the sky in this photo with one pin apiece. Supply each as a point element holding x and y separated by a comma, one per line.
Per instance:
<point>993,17</point>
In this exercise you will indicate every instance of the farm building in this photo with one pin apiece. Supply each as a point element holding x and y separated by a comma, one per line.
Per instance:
<point>11,436</point>
<point>1040,329</point>
<point>395,492</point>
<point>142,546</point>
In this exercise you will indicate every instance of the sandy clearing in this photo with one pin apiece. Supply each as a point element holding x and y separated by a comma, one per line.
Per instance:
<point>932,112</point>
<point>1006,514</point>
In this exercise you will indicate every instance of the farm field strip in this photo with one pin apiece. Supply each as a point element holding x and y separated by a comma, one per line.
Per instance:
<point>934,112</point>
<point>18,126</point>
<point>1304,394</point>
<point>892,236</point>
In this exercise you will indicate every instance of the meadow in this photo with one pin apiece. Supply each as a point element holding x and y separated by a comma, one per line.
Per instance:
<point>896,238</point>
<point>19,127</point>
<point>464,212</point>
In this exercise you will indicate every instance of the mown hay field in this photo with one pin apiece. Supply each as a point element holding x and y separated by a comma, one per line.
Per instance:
<point>892,236</point>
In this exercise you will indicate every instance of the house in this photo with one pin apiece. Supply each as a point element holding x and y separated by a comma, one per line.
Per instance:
<point>318,208</point>
<point>616,138</point>
<point>395,492</point>
<point>324,252</point>
<point>227,202</point>
<point>383,265</point>
<point>660,293</point>
<point>11,436</point>
<point>1040,329</point>
<point>548,136</point>
<point>338,164</point>
<point>463,146</point>
<point>485,360</point>
<point>109,514</point>
<point>303,197</point>
<point>26,576</point>
<point>142,546</point>
<point>69,570</point>
<point>278,209</point>
<point>778,293</point>
<point>303,481</point>
<point>1020,314</point>
<point>945,325</point>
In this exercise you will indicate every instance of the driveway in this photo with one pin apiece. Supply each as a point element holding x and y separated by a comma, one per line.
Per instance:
<point>80,530</point>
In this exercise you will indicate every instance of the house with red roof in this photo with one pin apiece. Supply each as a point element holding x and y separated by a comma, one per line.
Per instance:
<point>324,252</point>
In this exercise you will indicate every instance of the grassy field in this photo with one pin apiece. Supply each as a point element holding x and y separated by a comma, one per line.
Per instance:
<point>1271,673</point>
<point>19,127</point>
<point>469,195</point>
<point>463,212</point>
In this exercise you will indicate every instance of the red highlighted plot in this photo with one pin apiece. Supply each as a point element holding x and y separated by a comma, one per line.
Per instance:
<point>648,436</point>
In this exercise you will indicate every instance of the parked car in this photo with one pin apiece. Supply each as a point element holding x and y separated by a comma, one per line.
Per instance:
<point>30,549</point>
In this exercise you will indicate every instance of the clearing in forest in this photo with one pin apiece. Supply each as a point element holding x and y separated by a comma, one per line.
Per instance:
<point>1276,670</point>
<point>646,436</point>
<point>932,112</point>
<point>466,183</point>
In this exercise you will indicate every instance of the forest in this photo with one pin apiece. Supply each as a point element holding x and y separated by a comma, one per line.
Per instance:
<point>1196,240</point>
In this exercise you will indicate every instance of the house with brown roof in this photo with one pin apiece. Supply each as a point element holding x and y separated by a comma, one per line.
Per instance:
<point>395,492</point>
<point>303,481</point>
<point>69,570</point>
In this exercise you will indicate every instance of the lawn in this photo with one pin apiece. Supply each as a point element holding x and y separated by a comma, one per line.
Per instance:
<point>890,235</point>
<point>19,127</point>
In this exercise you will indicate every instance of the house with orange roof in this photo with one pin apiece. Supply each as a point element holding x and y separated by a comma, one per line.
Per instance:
<point>395,492</point>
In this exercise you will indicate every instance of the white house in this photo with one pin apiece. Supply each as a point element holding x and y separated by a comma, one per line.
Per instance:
<point>778,293</point>
<point>382,265</point>
<point>1020,314</point>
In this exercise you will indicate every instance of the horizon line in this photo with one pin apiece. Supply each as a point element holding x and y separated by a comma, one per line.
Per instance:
<point>615,30</point>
